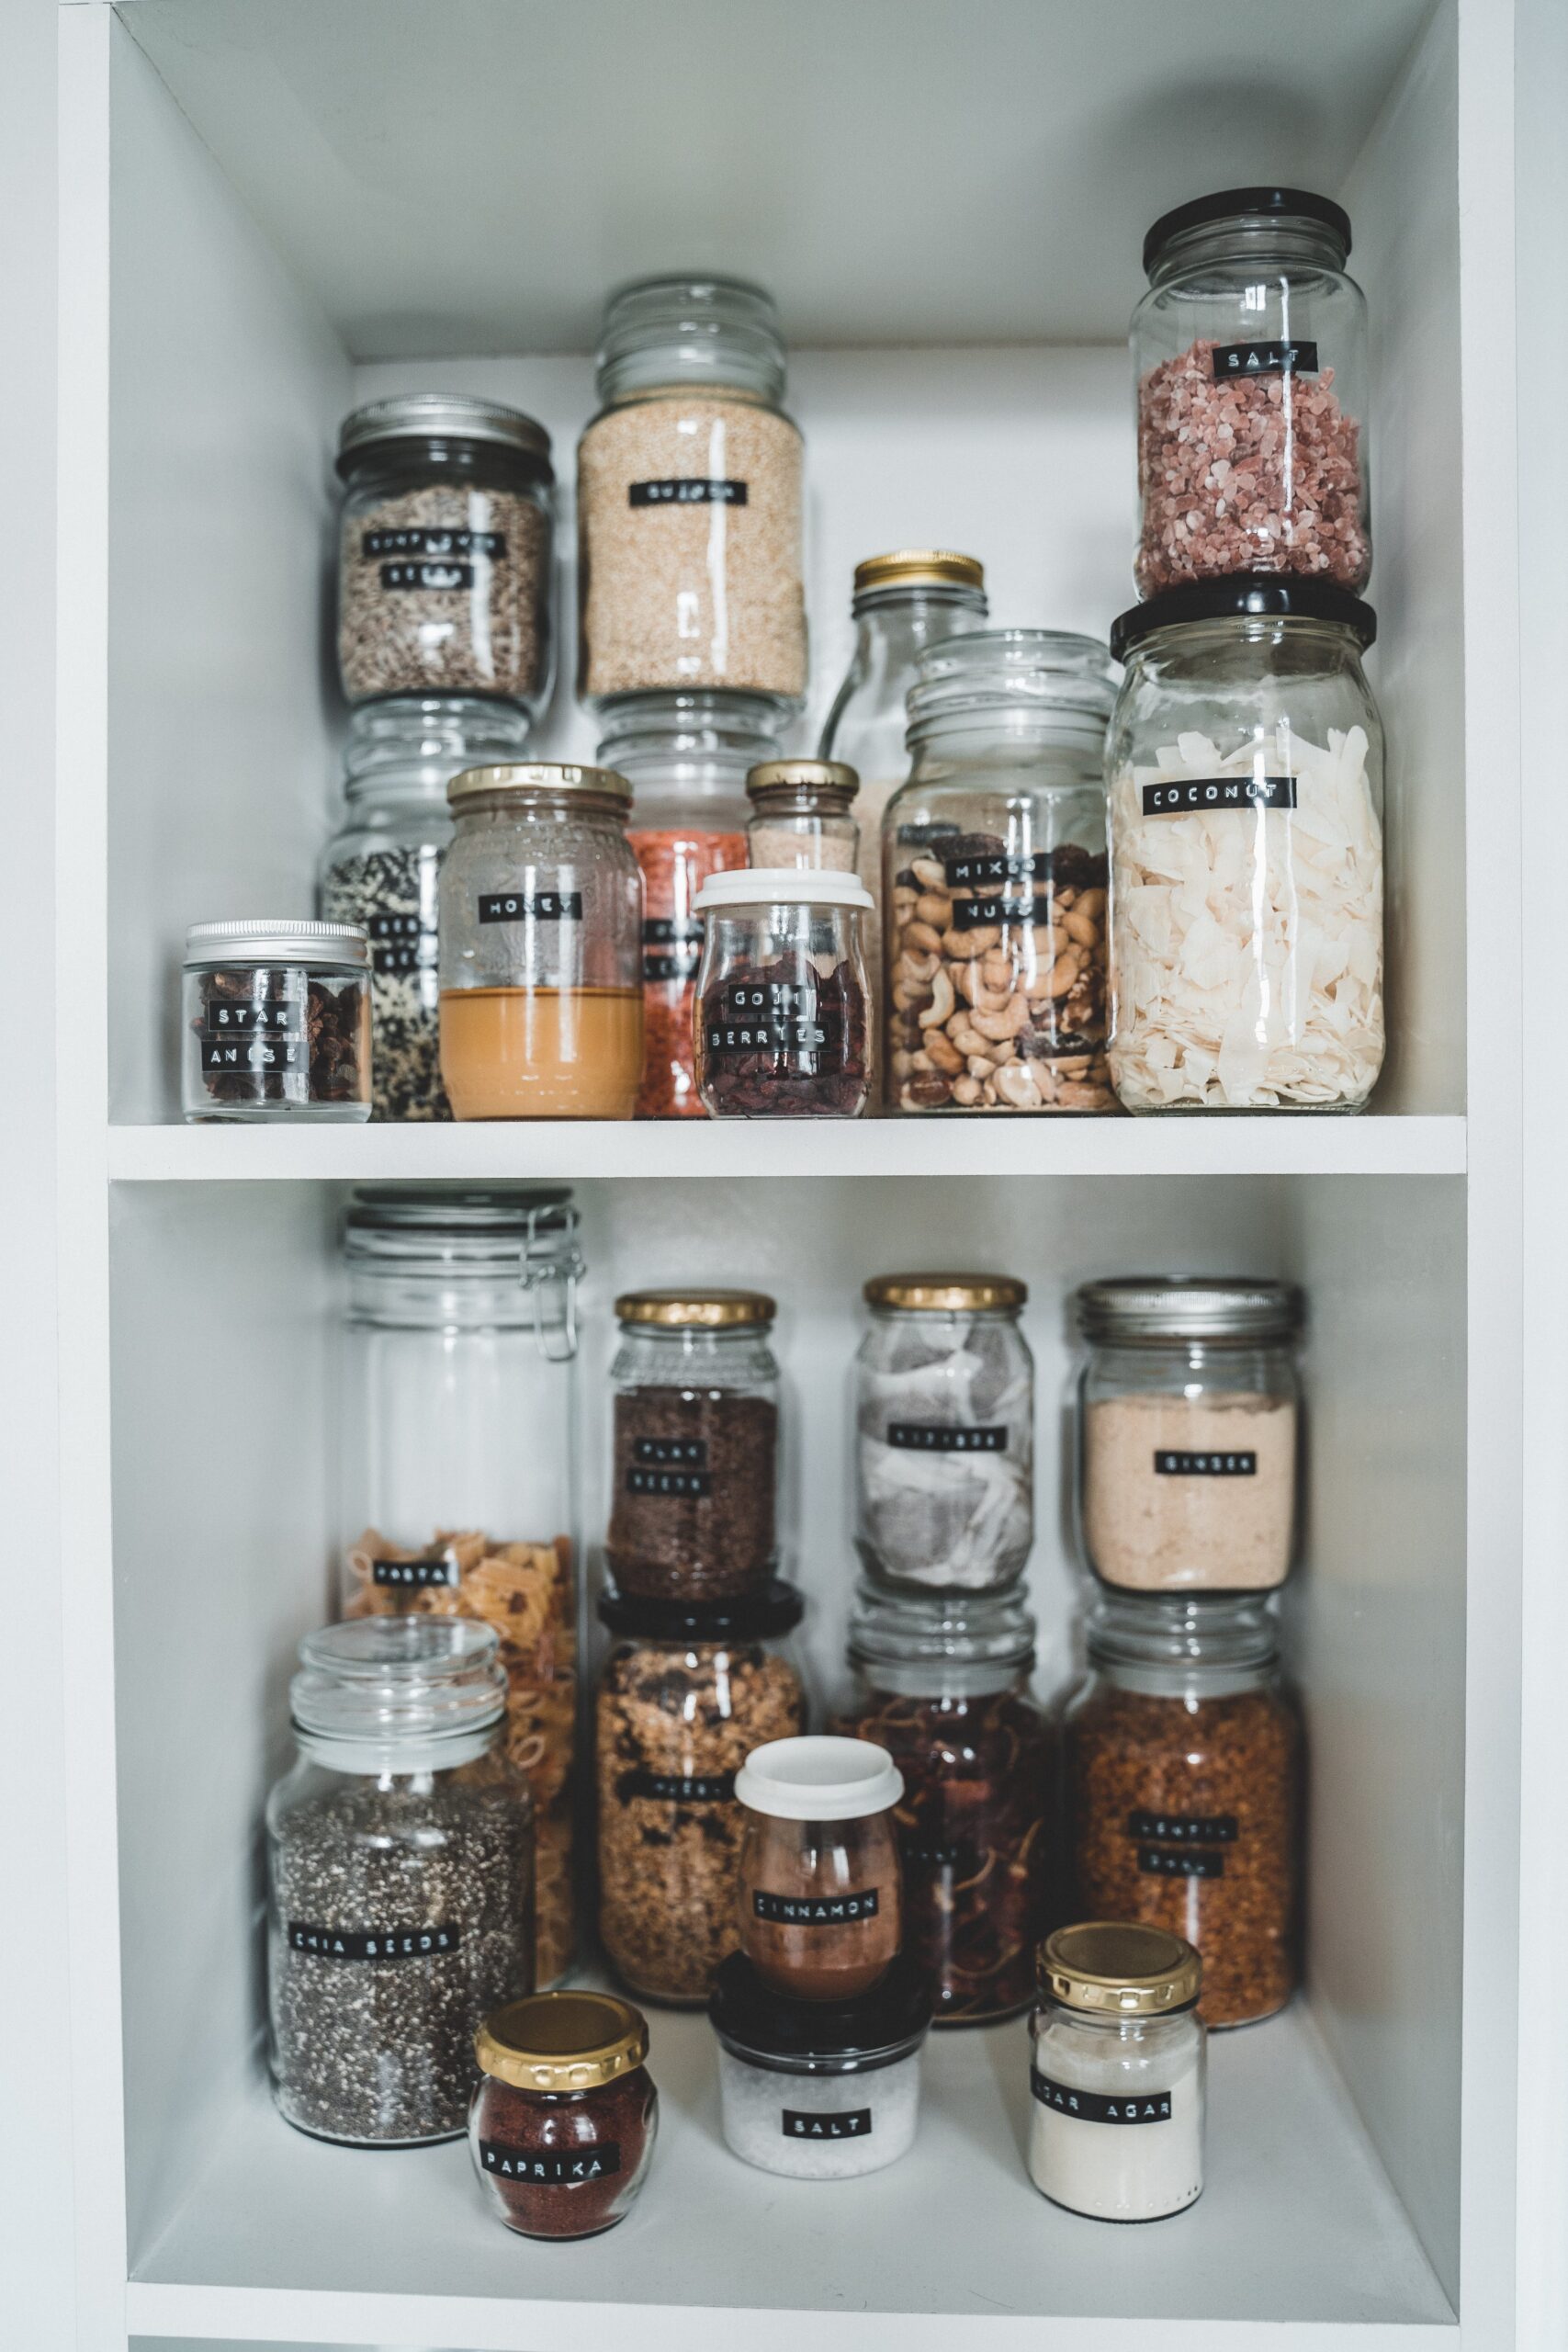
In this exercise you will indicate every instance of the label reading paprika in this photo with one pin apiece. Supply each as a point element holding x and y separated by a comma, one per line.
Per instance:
<point>557,2169</point>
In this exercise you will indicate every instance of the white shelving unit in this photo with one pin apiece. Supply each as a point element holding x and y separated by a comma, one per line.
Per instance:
<point>270,208</point>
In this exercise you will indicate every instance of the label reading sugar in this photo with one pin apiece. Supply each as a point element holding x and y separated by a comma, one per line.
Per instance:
<point>1180,1861</point>
<point>268,1053</point>
<point>374,1943</point>
<point>677,1787</point>
<point>671,950</point>
<point>848,2123</point>
<point>777,1017</point>
<point>969,872</point>
<point>1232,360</point>
<point>1094,2107</point>
<point>925,1437</point>
<point>431,540</point>
<point>534,906</point>
<point>1204,795</point>
<point>972,914</point>
<point>814,1910</point>
<point>1171,1461</point>
<point>415,1575</point>
<point>1185,1828</point>
<point>400,943</point>
<point>687,490</point>
<point>557,2169</point>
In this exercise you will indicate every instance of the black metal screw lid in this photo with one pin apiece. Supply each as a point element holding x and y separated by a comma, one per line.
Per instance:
<point>1232,203</point>
<point>879,2025</point>
<point>1258,594</point>
<point>778,1608</point>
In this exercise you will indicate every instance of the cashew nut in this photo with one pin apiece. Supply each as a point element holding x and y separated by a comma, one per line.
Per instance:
<point>908,996</point>
<point>943,1054</point>
<point>1063,972</point>
<point>966,1036</point>
<point>933,908</point>
<point>916,967</point>
<point>996,968</point>
<point>1002,1024</point>
<point>929,874</point>
<point>921,936</point>
<point>943,1003</point>
<point>961,944</point>
<point>966,1091</point>
<point>981,1065</point>
<point>1081,927</point>
<point>1016,1085</point>
<point>992,1000</point>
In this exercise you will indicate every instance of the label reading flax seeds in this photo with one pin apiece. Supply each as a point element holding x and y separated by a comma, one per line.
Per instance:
<point>670,1466</point>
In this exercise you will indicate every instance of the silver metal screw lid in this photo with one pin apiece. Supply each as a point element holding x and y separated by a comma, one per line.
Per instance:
<point>442,416</point>
<point>1147,1308</point>
<point>276,939</point>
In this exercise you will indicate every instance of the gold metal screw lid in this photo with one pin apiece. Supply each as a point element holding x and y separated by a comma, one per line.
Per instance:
<point>945,1294</point>
<point>563,2041</point>
<point>696,1310</point>
<point>537,776</point>
<point>819,775</point>
<point>919,568</point>
<point>1111,1968</point>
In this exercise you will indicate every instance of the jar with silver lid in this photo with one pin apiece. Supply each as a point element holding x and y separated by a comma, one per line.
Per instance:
<point>445,550</point>
<point>802,815</point>
<point>277,1021</point>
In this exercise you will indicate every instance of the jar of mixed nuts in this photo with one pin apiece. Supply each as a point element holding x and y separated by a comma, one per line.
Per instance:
<point>801,815</point>
<point>783,1012</point>
<point>821,1907</point>
<point>277,1021</point>
<point>994,889</point>
<point>689,499</point>
<point>1181,1759</point>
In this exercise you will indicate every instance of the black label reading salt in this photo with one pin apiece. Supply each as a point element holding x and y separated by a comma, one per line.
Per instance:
<point>1172,1462</point>
<point>1185,1828</point>
<point>415,1575</point>
<point>375,1943</point>
<point>427,573</point>
<point>815,1910</point>
<point>555,2168</point>
<point>972,914</point>
<point>968,873</point>
<point>1201,794</point>
<point>253,1052</point>
<point>1233,359</point>
<point>431,540</point>
<point>687,490</point>
<point>683,1485</point>
<point>925,1437</point>
<point>686,1453</point>
<point>1094,2107</point>
<point>1180,1861</point>
<point>395,944</point>
<point>536,906</point>
<point>848,2123</point>
<point>677,1787</point>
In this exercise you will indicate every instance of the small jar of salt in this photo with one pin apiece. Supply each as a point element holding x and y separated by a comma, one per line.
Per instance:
<point>1116,2128</point>
<point>819,2091</point>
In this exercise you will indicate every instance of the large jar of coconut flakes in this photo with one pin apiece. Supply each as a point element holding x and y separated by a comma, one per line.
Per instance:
<point>1245,776</point>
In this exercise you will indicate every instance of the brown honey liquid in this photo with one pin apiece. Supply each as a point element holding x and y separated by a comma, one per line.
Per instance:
<point>541,1053</point>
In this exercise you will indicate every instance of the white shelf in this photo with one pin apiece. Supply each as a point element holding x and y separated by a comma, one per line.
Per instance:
<point>284,2238</point>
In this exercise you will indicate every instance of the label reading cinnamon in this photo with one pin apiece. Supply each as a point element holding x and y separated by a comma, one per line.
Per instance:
<point>415,1575</point>
<point>814,1910</point>
<point>1229,360</point>
<point>1200,796</point>
<point>926,1437</point>
<point>677,1787</point>
<point>375,1943</point>
<point>1094,2107</point>
<point>848,2123</point>
<point>1172,1463</point>
<point>555,2168</point>
<point>687,490</point>
<point>538,905</point>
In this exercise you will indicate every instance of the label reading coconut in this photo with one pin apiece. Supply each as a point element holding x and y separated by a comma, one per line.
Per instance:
<point>556,2169</point>
<point>536,906</point>
<point>776,1017</point>
<point>1185,1828</point>
<point>972,914</point>
<point>968,873</point>
<point>814,1910</point>
<point>416,1576</point>
<point>848,2123</point>
<point>432,539</point>
<point>677,1787</point>
<point>1094,2107</point>
<point>671,950</point>
<point>1171,1461</point>
<point>374,1943</point>
<point>400,943</point>
<point>687,490</point>
<point>1232,360</point>
<point>1204,795</point>
<point>925,1437</point>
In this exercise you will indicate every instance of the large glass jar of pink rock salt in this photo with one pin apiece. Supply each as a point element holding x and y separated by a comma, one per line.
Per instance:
<point>1250,352</point>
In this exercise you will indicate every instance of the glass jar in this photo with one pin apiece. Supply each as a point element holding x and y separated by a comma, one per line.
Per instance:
<point>818,2090</point>
<point>459,1459</point>
<point>1181,1759</point>
<point>821,1908</point>
<point>946,1694</point>
<point>1249,357</point>
<point>1245,775</point>
<point>689,499</point>
<point>541,946</point>
<point>995,879</point>
<point>687,758</point>
<point>565,2115</point>
<point>381,869</point>
<point>693,1479</point>
<point>277,1022</point>
<point>944,1434</point>
<point>783,1021</point>
<point>1117,2046</point>
<point>687,1690</point>
<point>800,815</point>
<point>1188,1433</point>
<point>445,550</point>
<point>400,1882</point>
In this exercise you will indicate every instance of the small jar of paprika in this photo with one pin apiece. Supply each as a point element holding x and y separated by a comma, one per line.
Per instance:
<point>562,2124</point>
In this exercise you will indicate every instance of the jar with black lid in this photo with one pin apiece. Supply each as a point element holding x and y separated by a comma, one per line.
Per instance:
<point>445,550</point>
<point>1250,352</point>
<point>819,2091</point>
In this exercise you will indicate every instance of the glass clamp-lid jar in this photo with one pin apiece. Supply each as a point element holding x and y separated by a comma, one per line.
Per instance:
<point>995,879</point>
<point>1117,2073</point>
<point>821,1909</point>
<point>1245,775</point>
<point>1181,1758</point>
<point>945,1692</point>
<point>695,1467</point>
<point>399,1881</point>
<point>445,550</point>
<point>1189,1438</point>
<point>944,1434</point>
<point>802,815</point>
<point>277,1021</point>
<point>541,925</point>
<point>564,2117</point>
<point>1250,351</point>
<point>689,498</point>
<point>818,2090</point>
<point>685,1692</point>
<point>783,1018</point>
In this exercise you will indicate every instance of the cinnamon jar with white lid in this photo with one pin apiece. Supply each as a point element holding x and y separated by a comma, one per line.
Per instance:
<point>821,1886</point>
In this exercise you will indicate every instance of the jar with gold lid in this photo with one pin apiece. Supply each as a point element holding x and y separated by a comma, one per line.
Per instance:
<point>562,2124</point>
<point>802,815</point>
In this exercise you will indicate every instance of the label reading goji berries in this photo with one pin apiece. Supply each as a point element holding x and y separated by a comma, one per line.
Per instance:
<point>848,2123</point>
<point>1094,2107</point>
<point>555,2168</point>
<point>687,490</point>
<point>1172,1462</point>
<point>1202,795</point>
<point>1233,359</point>
<point>814,1910</point>
<point>925,1437</point>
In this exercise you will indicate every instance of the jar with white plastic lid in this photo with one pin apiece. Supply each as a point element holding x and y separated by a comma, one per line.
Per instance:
<point>1117,2073</point>
<point>1244,769</point>
<point>803,814</point>
<point>783,1020</point>
<point>818,2090</point>
<point>821,1904</point>
<point>277,1021</point>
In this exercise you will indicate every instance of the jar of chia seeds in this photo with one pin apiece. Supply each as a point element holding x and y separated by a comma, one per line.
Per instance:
<point>819,2091</point>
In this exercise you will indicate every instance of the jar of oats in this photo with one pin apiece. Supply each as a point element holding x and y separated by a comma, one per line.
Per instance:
<point>689,499</point>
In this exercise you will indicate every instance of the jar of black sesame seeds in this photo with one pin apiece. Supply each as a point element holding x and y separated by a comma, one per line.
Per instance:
<point>399,1881</point>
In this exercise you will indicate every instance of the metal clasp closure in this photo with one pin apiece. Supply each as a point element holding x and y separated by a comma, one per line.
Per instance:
<point>553,1278</point>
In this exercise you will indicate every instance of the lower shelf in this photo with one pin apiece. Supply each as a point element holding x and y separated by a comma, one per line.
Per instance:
<point>1298,2239</point>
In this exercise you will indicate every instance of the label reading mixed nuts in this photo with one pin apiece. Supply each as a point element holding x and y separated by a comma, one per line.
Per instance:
<point>669,1465</point>
<point>375,1943</point>
<point>972,871</point>
<point>687,490</point>
<point>671,948</point>
<point>973,914</point>
<point>849,2123</point>
<point>537,906</point>
<point>416,1576</point>
<point>1263,359</point>
<point>1199,795</point>
<point>927,1437</point>
<point>1173,1462</point>
<point>400,943</point>
<point>555,2169</point>
<point>778,1017</point>
<point>1094,2107</point>
<point>677,1787</point>
<point>814,1910</point>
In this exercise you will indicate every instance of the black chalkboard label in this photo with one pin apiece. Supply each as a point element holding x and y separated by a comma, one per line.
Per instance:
<point>925,1437</point>
<point>848,2123</point>
<point>233,1017</point>
<point>555,2168</point>
<point>687,490</point>
<point>537,906</point>
<point>253,1052</point>
<point>1180,1861</point>
<point>415,1575</point>
<point>727,1039</point>
<point>677,1787</point>
<point>1094,2107</point>
<point>1204,795</point>
<point>431,540</point>
<point>972,914</point>
<point>1171,1461</point>
<point>396,941</point>
<point>1233,359</point>
<point>815,1910</point>
<point>1185,1828</point>
<point>374,1943</point>
<point>685,1452</point>
<point>682,1485</point>
<point>427,573</point>
<point>969,872</point>
<point>671,949</point>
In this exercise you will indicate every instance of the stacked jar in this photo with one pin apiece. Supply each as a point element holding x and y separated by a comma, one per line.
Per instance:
<point>446,655</point>
<point>693,648</point>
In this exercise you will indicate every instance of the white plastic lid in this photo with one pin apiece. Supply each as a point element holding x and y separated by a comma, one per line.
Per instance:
<point>782,885</point>
<point>820,1779</point>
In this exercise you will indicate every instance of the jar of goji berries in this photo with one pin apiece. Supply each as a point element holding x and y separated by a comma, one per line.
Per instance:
<point>782,1014</point>
<point>1250,355</point>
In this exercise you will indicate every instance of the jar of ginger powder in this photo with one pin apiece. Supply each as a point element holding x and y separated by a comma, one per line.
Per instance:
<point>1188,1413</point>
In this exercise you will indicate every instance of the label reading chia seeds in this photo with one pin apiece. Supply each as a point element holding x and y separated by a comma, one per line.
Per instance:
<point>375,1943</point>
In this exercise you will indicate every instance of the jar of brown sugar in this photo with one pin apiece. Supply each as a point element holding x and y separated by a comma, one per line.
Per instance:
<point>1181,1759</point>
<point>821,1887</point>
<point>562,2123</point>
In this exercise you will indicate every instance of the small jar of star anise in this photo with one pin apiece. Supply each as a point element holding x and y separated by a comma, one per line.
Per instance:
<point>277,1021</point>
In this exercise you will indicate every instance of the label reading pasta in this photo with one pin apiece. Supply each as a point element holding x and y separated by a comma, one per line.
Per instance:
<point>415,1575</point>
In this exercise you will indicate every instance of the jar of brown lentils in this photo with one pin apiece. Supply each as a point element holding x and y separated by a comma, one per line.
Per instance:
<point>1182,1761</point>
